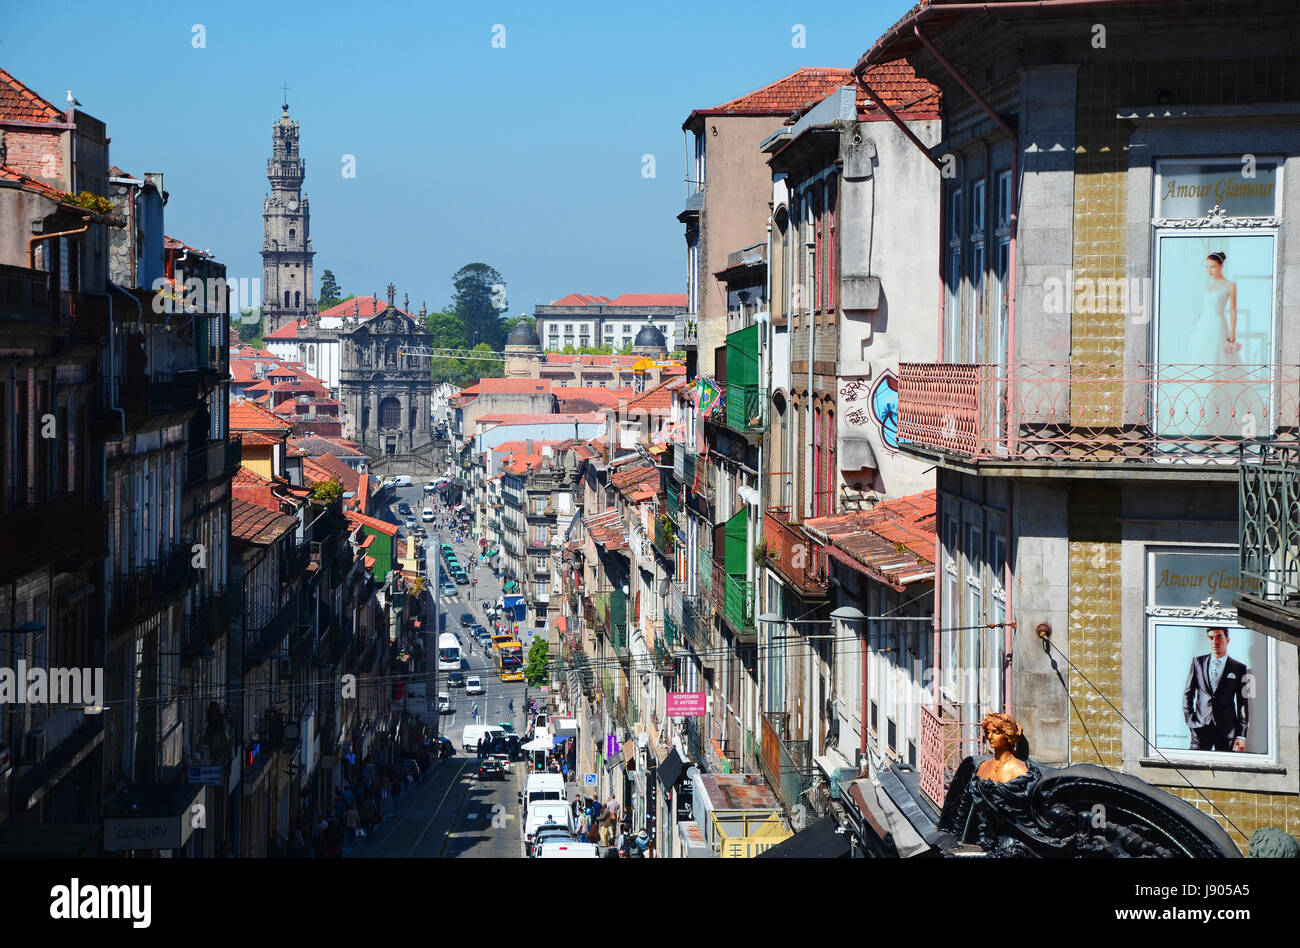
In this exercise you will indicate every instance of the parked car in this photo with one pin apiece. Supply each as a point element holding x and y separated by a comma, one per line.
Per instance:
<point>410,524</point>
<point>430,487</point>
<point>460,577</point>
<point>466,618</point>
<point>404,508</point>
<point>491,769</point>
<point>474,686</point>
<point>549,833</point>
<point>456,679</point>
<point>444,702</point>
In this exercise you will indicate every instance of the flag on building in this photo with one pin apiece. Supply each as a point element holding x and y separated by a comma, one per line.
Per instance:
<point>709,396</point>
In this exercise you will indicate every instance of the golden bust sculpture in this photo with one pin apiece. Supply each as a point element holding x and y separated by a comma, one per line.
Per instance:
<point>1002,733</point>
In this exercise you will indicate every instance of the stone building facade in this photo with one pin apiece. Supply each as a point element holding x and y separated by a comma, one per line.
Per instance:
<point>386,392</point>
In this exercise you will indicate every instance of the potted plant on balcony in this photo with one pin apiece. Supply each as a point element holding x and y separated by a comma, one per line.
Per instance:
<point>762,552</point>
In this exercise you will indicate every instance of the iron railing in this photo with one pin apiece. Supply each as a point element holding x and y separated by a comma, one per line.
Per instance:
<point>734,598</point>
<point>234,455</point>
<point>797,557</point>
<point>746,408</point>
<point>945,742</point>
<point>1269,523</point>
<point>786,763</point>
<point>665,536</point>
<point>1134,413</point>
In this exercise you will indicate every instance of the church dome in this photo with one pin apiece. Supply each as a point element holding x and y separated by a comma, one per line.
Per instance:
<point>650,338</point>
<point>523,335</point>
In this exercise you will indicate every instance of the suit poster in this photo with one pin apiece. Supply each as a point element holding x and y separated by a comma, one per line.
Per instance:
<point>1210,680</point>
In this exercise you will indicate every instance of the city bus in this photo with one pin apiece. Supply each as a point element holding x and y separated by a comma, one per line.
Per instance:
<point>510,660</point>
<point>501,638</point>
<point>448,652</point>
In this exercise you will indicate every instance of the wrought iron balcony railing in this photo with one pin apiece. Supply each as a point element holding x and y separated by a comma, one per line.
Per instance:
<point>945,742</point>
<point>746,408</point>
<point>734,598</point>
<point>787,764</point>
<point>1131,413</point>
<point>1269,491</point>
<point>797,557</point>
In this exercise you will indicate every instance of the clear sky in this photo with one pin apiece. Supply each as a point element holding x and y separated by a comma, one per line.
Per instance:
<point>528,157</point>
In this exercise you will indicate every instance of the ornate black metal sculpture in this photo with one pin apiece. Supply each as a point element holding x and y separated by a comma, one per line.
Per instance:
<point>1081,810</point>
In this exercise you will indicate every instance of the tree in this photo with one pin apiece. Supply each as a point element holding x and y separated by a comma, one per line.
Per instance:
<point>476,304</point>
<point>537,671</point>
<point>250,325</point>
<point>330,294</point>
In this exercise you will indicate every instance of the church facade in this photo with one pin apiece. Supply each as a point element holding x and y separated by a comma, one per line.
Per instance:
<point>386,392</point>
<point>288,287</point>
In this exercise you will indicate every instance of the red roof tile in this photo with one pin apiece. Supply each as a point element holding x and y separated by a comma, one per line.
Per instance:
<point>581,299</point>
<point>19,102</point>
<point>288,331</point>
<point>650,299</point>
<point>254,524</point>
<point>245,416</point>
<point>388,529</point>
<point>28,183</point>
<point>363,307</point>
<point>893,541</point>
<point>589,418</point>
<point>788,94</point>
<point>511,387</point>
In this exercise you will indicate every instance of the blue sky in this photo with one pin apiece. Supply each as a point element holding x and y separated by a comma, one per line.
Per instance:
<point>527,157</point>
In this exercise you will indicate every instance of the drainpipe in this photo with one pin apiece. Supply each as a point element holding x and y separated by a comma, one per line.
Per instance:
<point>810,492</point>
<point>33,241</point>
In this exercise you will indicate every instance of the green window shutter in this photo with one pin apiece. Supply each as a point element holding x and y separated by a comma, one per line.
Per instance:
<point>742,356</point>
<point>735,552</point>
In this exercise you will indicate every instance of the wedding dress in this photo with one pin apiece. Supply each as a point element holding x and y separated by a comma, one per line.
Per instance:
<point>1208,403</point>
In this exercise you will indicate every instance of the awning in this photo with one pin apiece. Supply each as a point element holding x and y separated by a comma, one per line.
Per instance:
<point>884,816</point>
<point>539,744</point>
<point>671,769</point>
<point>819,841</point>
<point>629,755</point>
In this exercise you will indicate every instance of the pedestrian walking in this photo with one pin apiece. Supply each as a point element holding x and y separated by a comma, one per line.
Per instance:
<point>354,822</point>
<point>480,747</point>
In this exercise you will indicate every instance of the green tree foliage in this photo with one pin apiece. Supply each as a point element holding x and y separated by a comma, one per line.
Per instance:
<point>587,350</point>
<point>330,294</point>
<point>250,331</point>
<point>475,304</point>
<point>536,672</point>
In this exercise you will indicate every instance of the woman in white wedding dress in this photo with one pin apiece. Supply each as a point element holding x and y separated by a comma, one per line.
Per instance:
<point>1213,353</point>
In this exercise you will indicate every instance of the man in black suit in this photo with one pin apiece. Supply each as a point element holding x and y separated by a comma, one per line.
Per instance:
<point>1216,701</point>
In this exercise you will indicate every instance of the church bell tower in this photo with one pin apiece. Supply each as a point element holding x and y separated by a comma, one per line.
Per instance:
<point>288,286</point>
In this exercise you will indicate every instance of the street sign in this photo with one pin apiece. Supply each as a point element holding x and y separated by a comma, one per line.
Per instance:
<point>685,704</point>
<point>209,776</point>
<point>588,780</point>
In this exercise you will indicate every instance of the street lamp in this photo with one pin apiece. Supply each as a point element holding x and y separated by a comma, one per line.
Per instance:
<point>30,627</point>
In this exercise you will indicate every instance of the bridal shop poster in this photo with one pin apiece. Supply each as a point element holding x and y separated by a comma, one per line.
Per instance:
<point>1214,332</point>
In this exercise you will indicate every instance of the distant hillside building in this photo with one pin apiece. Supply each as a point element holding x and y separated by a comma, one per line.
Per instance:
<point>586,321</point>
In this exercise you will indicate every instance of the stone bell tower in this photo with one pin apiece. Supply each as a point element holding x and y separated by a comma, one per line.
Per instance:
<point>288,286</point>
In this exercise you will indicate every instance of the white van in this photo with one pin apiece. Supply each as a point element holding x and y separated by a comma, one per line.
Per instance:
<point>544,810</point>
<point>402,480</point>
<point>543,787</point>
<point>469,738</point>
<point>568,850</point>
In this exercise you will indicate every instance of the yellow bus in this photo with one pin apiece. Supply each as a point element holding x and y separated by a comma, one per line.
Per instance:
<point>501,638</point>
<point>510,660</point>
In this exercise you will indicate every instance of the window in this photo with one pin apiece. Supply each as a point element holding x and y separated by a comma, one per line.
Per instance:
<point>626,328</point>
<point>830,245</point>
<point>292,232</point>
<point>390,413</point>
<point>952,291</point>
<point>286,299</point>
<point>568,327</point>
<point>297,299</point>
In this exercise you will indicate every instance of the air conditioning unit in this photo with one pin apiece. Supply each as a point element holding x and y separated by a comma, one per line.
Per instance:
<point>34,745</point>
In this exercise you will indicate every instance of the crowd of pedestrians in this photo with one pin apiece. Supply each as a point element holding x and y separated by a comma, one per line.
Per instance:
<point>603,824</point>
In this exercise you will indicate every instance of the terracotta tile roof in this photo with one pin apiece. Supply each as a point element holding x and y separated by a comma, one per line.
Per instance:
<point>363,307</point>
<point>261,386</point>
<point>344,448</point>
<point>388,529</point>
<point>339,471</point>
<point>244,416</point>
<point>175,243</point>
<point>650,299</point>
<point>512,386</point>
<point>629,477</point>
<point>19,102</point>
<point>785,95</point>
<point>250,478</point>
<point>369,562</point>
<point>607,529</point>
<point>656,401</point>
<point>254,524</point>
<point>27,182</point>
<point>581,299</point>
<point>901,89</point>
<point>252,352</point>
<point>285,371</point>
<point>293,452</point>
<point>892,542</point>
<point>253,438</point>
<point>287,331</point>
<point>589,418</point>
<point>595,397</point>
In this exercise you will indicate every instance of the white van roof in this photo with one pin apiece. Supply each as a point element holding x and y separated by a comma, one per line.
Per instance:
<point>536,781</point>
<point>568,849</point>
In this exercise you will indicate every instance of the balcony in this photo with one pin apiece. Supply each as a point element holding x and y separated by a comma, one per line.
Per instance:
<point>144,591</point>
<point>1127,413</point>
<point>65,525</point>
<point>261,642</point>
<point>945,742</point>
<point>673,505</point>
<point>234,455</point>
<point>798,558</point>
<point>733,597</point>
<point>746,408</point>
<point>786,763</point>
<point>665,537</point>
<point>1269,532</point>
<point>663,658</point>
<point>688,331</point>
